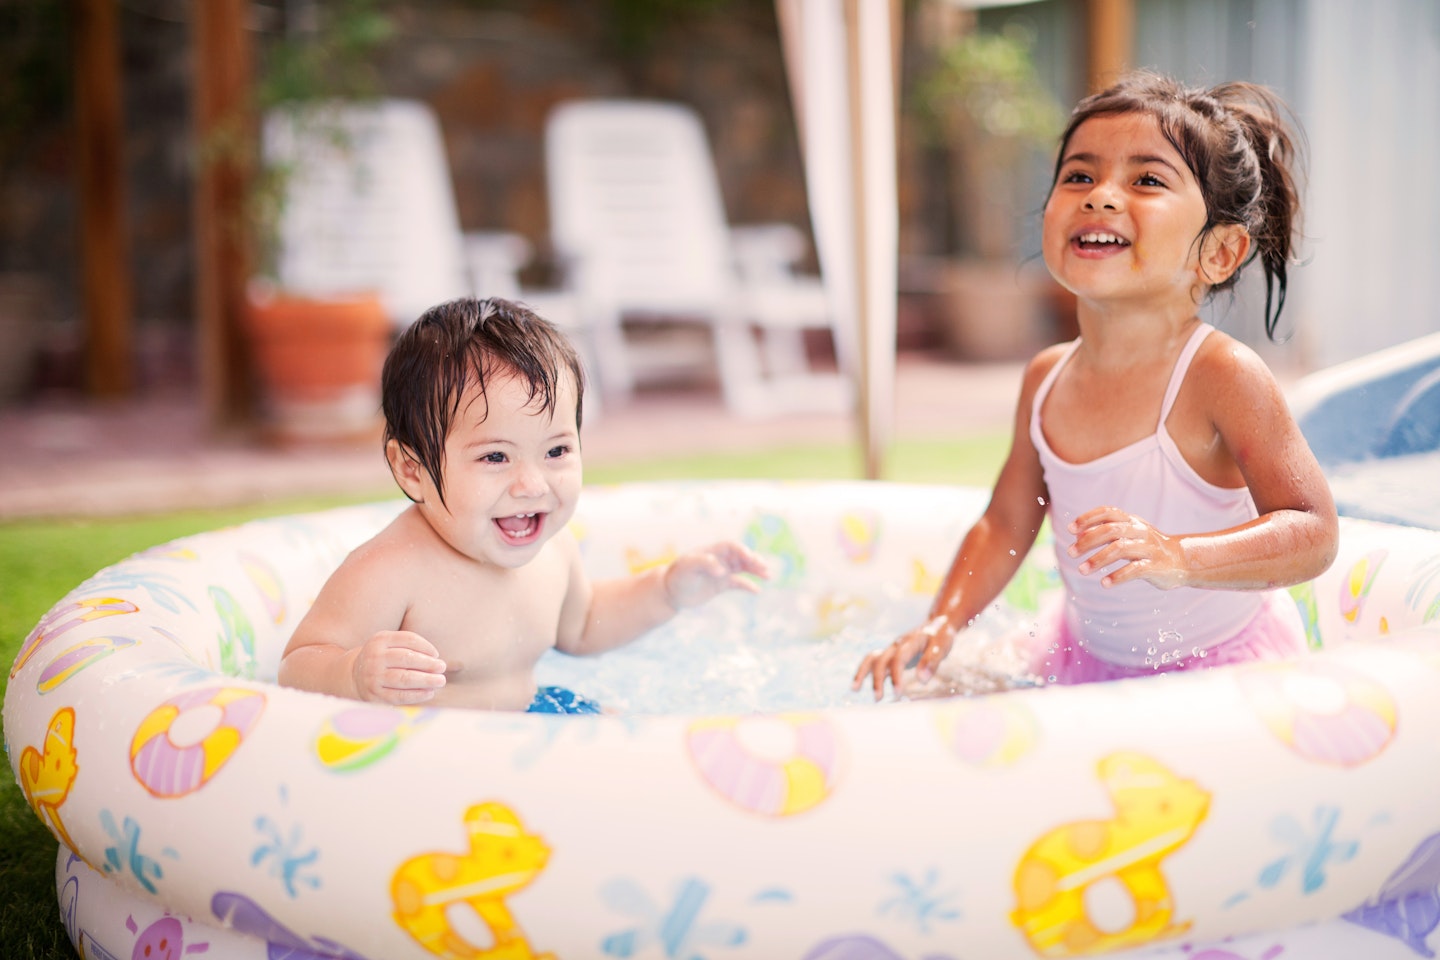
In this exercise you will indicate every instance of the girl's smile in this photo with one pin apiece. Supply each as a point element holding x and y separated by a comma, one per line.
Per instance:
<point>1123,196</point>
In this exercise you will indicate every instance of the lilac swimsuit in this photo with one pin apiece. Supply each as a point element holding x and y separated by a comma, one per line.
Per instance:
<point>1135,628</point>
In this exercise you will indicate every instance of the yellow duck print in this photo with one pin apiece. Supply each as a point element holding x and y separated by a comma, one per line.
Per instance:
<point>1156,812</point>
<point>502,858</point>
<point>46,775</point>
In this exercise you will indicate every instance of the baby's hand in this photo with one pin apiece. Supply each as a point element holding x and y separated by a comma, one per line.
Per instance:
<point>1111,535</point>
<point>693,578</point>
<point>399,667</point>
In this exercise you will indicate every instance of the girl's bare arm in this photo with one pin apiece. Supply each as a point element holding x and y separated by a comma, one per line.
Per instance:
<point>988,556</point>
<point>1294,537</point>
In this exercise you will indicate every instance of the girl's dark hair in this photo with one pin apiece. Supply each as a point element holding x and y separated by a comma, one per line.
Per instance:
<point>459,342</point>
<point>1235,139</point>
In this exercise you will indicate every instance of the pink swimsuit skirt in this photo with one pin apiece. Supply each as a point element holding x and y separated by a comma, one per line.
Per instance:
<point>1275,633</point>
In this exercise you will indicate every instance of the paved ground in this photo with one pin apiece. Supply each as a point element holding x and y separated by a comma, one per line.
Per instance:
<point>63,457</point>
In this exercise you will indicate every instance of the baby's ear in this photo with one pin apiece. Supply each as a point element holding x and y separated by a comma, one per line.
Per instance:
<point>1223,250</point>
<point>408,472</point>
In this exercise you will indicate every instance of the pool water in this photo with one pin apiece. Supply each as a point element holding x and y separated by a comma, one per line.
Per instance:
<point>782,650</point>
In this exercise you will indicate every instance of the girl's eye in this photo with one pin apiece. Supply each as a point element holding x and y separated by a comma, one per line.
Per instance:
<point>495,457</point>
<point>1150,180</point>
<point>560,451</point>
<point>1075,176</point>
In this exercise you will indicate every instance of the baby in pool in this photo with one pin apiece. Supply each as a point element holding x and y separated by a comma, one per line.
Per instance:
<point>454,602</point>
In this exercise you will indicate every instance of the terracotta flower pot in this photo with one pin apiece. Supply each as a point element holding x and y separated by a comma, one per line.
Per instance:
<point>319,364</point>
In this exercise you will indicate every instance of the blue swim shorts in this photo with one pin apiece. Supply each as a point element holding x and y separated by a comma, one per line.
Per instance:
<point>560,700</point>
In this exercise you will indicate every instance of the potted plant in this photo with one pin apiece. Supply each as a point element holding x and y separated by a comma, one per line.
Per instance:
<point>317,355</point>
<point>985,105</point>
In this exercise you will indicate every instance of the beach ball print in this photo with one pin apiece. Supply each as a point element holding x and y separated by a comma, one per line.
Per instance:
<point>267,583</point>
<point>356,737</point>
<point>1325,712</point>
<point>770,535</point>
<point>858,535</point>
<point>988,731</point>
<point>1355,587</point>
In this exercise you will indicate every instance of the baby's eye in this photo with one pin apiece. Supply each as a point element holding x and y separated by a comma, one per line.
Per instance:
<point>558,451</point>
<point>1150,180</point>
<point>1075,176</point>
<point>493,457</point>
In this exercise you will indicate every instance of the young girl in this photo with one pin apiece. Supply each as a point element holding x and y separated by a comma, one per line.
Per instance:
<point>1181,492</point>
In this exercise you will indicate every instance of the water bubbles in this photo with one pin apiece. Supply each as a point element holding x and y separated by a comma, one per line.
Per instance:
<point>1051,679</point>
<point>1040,500</point>
<point>778,651</point>
<point>1012,553</point>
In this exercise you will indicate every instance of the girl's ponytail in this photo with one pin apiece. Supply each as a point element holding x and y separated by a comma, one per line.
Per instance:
<point>1274,220</point>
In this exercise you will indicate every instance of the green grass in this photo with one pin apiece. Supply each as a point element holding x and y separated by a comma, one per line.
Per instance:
<point>41,561</point>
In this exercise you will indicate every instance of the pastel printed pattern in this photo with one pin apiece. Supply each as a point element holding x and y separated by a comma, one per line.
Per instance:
<point>776,766</point>
<point>47,774</point>
<point>1156,813</point>
<point>354,738</point>
<point>990,732</point>
<point>218,718</point>
<point>1323,711</point>
<point>502,858</point>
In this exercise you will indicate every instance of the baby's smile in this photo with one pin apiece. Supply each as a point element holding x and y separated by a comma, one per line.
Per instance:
<point>520,528</point>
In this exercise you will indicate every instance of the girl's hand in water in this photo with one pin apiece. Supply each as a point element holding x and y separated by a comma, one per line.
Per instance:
<point>930,643</point>
<point>399,667</point>
<point>694,578</point>
<point>1110,535</point>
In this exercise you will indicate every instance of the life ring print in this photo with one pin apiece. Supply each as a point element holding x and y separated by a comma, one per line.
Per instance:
<point>1323,711</point>
<point>185,741</point>
<point>776,766</point>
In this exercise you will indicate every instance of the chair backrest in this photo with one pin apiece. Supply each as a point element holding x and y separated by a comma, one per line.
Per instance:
<point>369,205</point>
<point>636,214</point>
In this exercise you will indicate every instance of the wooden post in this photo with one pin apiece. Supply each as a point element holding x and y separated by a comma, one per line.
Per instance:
<point>104,253</point>
<point>225,139</point>
<point>1111,28</point>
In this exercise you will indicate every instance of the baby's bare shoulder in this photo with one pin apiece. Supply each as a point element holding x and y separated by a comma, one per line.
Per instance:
<point>404,552</point>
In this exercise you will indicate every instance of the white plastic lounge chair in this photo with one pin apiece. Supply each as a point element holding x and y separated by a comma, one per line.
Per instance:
<point>369,205</point>
<point>639,226</point>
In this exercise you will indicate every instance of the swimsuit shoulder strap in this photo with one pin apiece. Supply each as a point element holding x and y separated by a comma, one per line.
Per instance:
<point>1182,364</point>
<point>1043,390</point>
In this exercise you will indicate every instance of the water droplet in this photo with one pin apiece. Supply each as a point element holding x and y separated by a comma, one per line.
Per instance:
<point>1040,500</point>
<point>1051,678</point>
<point>1012,553</point>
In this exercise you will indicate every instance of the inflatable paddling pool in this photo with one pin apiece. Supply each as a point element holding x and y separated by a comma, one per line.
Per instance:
<point>1244,813</point>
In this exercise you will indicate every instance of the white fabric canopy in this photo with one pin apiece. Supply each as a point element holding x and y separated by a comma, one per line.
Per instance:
<point>840,59</point>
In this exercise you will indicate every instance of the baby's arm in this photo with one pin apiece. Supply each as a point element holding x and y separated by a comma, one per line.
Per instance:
<point>347,644</point>
<point>1293,539</point>
<point>607,614</point>
<point>988,556</point>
